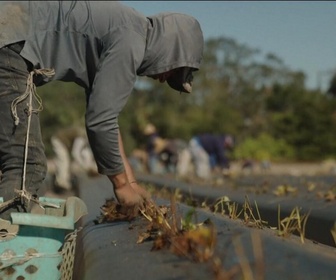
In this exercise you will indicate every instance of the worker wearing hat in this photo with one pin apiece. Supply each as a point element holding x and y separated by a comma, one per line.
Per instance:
<point>101,46</point>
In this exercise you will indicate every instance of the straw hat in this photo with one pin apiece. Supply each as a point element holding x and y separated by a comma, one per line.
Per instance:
<point>159,144</point>
<point>149,129</point>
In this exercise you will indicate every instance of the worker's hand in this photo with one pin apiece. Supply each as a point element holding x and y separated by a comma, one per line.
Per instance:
<point>127,196</point>
<point>141,191</point>
<point>124,192</point>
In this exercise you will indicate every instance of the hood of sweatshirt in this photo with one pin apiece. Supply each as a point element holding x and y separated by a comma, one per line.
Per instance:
<point>174,41</point>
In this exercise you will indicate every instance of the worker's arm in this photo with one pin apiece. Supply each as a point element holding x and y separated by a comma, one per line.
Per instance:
<point>126,188</point>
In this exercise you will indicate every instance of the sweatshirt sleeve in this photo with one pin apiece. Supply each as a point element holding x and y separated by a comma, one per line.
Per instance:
<point>220,153</point>
<point>121,57</point>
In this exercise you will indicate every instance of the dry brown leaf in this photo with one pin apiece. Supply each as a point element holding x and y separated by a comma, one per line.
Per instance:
<point>112,211</point>
<point>143,237</point>
<point>198,243</point>
<point>330,196</point>
<point>164,227</point>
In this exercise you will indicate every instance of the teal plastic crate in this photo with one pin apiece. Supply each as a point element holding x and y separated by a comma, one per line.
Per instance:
<point>41,246</point>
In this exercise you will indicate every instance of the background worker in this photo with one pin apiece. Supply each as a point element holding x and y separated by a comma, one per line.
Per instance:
<point>162,153</point>
<point>154,144</point>
<point>208,153</point>
<point>100,45</point>
<point>71,147</point>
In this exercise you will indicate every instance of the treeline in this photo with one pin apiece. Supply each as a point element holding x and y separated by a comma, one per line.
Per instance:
<point>239,90</point>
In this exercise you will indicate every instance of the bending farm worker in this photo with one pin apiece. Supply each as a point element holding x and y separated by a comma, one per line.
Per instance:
<point>101,46</point>
<point>207,151</point>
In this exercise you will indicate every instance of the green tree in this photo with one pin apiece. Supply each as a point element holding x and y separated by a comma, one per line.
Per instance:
<point>304,119</point>
<point>332,87</point>
<point>264,147</point>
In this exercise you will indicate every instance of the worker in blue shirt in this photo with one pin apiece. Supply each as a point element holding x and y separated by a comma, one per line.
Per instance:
<point>207,152</point>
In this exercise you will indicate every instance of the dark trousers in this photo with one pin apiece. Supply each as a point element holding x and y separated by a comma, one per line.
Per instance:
<point>14,71</point>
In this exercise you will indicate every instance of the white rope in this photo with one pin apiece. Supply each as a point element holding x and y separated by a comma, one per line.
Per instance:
<point>31,93</point>
<point>30,90</point>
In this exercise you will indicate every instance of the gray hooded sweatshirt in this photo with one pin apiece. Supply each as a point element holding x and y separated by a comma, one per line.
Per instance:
<point>101,46</point>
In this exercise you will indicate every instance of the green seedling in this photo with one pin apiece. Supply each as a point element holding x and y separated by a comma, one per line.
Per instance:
<point>249,218</point>
<point>294,223</point>
<point>187,223</point>
<point>221,204</point>
<point>224,204</point>
<point>233,210</point>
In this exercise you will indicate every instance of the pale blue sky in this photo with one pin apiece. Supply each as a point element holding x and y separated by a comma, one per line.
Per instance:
<point>301,33</point>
